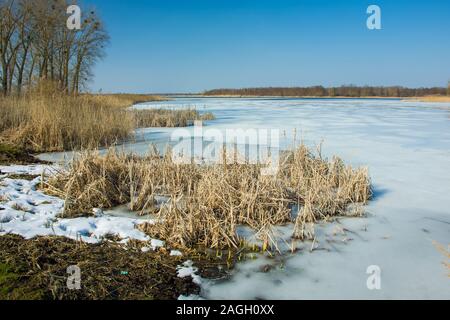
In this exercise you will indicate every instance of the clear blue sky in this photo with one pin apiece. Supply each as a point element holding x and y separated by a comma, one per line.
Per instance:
<point>195,45</point>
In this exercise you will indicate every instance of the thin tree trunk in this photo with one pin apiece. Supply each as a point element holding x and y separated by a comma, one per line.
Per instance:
<point>5,81</point>
<point>21,70</point>
<point>30,74</point>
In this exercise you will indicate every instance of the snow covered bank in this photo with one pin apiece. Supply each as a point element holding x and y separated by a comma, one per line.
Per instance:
<point>32,170</point>
<point>26,211</point>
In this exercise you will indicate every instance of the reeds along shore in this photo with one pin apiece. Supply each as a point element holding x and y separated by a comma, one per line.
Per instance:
<point>168,118</point>
<point>206,203</point>
<point>445,99</point>
<point>45,120</point>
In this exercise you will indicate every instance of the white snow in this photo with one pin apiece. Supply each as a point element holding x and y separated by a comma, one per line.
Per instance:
<point>191,297</point>
<point>187,269</point>
<point>175,253</point>
<point>28,212</point>
<point>406,145</point>
<point>154,244</point>
<point>35,169</point>
<point>98,212</point>
<point>157,244</point>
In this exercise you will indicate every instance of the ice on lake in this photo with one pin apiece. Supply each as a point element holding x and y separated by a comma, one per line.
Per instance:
<point>406,145</point>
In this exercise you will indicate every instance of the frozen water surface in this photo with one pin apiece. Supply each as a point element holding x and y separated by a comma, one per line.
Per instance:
<point>406,145</point>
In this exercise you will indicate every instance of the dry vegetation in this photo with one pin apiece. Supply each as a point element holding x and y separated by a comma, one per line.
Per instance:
<point>445,251</point>
<point>46,119</point>
<point>10,154</point>
<point>434,99</point>
<point>59,122</point>
<point>206,203</point>
<point>168,118</point>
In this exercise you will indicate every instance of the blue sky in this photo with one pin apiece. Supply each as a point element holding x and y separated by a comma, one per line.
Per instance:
<point>194,45</point>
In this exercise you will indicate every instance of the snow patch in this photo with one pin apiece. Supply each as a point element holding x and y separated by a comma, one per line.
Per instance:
<point>187,269</point>
<point>33,170</point>
<point>156,244</point>
<point>175,253</point>
<point>191,297</point>
<point>28,212</point>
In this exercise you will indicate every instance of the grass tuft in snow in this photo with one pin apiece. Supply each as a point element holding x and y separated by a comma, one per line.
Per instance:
<point>168,118</point>
<point>207,203</point>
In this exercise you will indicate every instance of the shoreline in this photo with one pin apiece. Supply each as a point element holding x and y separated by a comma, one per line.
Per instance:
<point>442,99</point>
<point>439,99</point>
<point>277,97</point>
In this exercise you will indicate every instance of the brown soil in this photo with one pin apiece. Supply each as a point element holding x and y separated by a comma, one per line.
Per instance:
<point>37,270</point>
<point>10,154</point>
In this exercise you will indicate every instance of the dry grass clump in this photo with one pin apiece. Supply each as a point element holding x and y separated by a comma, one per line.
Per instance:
<point>125,99</point>
<point>168,118</point>
<point>434,99</point>
<point>60,122</point>
<point>207,116</point>
<point>96,181</point>
<point>46,120</point>
<point>324,188</point>
<point>206,203</point>
<point>224,197</point>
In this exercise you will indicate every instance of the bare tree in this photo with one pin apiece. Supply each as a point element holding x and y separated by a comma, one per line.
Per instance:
<point>8,45</point>
<point>89,46</point>
<point>36,45</point>
<point>25,34</point>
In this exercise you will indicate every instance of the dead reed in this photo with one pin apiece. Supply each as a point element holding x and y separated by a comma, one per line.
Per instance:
<point>445,251</point>
<point>46,119</point>
<point>206,203</point>
<point>168,118</point>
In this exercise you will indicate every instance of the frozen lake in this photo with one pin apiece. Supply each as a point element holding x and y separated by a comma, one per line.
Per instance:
<point>406,145</point>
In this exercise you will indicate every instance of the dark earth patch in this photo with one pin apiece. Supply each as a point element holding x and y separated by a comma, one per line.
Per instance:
<point>10,154</point>
<point>37,269</point>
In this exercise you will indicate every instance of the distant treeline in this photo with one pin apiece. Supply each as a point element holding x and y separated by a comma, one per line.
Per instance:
<point>343,91</point>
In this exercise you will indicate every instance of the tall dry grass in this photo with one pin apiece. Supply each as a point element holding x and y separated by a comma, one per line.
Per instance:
<point>59,122</point>
<point>206,203</point>
<point>432,99</point>
<point>47,120</point>
<point>168,118</point>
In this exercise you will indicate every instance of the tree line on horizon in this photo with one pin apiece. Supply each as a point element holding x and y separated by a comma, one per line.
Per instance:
<point>36,45</point>
<point>320,91</point>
